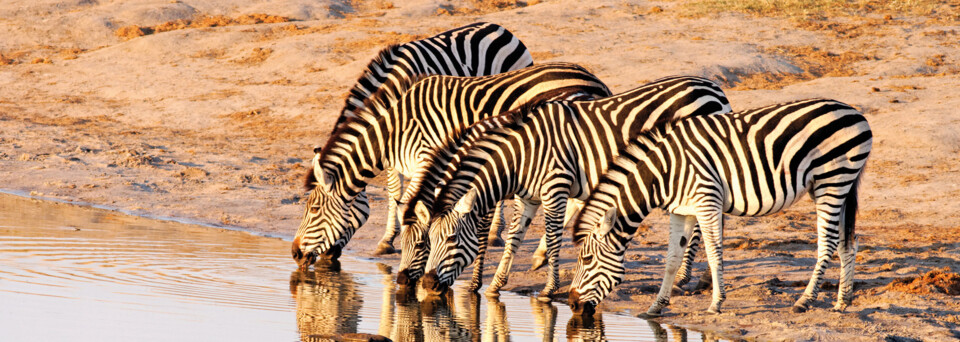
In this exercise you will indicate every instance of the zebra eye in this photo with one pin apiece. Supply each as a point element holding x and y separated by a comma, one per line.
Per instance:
<point>314,210</point>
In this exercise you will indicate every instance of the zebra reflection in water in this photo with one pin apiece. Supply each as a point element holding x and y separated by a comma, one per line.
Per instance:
<point>328,301</point>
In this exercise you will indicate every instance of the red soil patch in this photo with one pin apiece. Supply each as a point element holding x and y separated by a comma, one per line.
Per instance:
<point>936,281</point>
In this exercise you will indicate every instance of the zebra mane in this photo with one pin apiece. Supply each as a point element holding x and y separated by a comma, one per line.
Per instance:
<point>310,180</point>
<point>380,101</point>
<point>379,62</point>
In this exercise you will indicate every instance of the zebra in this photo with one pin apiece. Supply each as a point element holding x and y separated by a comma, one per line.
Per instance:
<point>420,195</point>
<point>396,136</point>
<point>478,49</point>
<point>751,163</point>
<point>554,152</point>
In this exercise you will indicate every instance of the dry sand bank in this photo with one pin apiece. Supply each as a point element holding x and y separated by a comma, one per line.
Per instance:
<point>217,123</point>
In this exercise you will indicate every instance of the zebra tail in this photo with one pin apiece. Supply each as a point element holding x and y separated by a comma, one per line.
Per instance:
<point>849,210</point>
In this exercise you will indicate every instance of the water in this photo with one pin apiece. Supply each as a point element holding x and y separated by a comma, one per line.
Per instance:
<point>81,274</point>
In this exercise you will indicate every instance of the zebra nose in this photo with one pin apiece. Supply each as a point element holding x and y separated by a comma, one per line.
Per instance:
<point>432,284</point>
<point>578,307</point>
<point>403,278</point>
<point>295,250</point>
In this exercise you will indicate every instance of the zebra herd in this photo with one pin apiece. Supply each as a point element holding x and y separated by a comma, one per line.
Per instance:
<point>471,122</point>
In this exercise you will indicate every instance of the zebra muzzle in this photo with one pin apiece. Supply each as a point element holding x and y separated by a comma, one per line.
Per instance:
<point>433,285</point>
<point>304,260</point>
<point>405,279</point>
<point>581,308</point>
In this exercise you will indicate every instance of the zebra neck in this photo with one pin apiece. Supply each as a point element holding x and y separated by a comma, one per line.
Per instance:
<point>355,155</point>
<point>640,191</point>
<point>376,75</point>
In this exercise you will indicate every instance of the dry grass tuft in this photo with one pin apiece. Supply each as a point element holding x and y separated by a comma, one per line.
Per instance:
<point>4,60</point>
<point>476,7</point>
<point>134,31</point>
<point>256,56</point>
<point>815,62</point>
<point>808,8</point>
<point>936,281</point>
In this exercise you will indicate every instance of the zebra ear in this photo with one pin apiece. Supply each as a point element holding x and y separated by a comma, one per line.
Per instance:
<point>607,222</point>
<point>324,180</point>
<point>465,205</point>
<point>423,214</point>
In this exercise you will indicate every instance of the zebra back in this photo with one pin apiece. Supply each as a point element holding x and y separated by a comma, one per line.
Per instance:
<point>751,145</point>
<point>613,121</point>
<point>439,163</point>
<point>477,49</point>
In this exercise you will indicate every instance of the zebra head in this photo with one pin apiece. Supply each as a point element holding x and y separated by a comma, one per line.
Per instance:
<point>453,244</point>
<point>329,220</point>
<point>415,246</point>
<point>599,264</point>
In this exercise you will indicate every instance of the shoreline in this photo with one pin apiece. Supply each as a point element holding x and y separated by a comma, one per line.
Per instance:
<point>350,256</point>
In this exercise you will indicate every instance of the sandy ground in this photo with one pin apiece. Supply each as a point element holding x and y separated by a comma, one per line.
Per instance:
<point>200,110</point>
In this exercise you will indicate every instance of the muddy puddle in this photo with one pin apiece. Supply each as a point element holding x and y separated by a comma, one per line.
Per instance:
<point>69,273</point>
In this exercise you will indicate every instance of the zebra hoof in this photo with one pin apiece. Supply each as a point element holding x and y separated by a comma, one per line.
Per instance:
<point>384,249</point>
<point>840,307</point>
<point>544,298</point>
<point>798,309</point>
<point>714,311</point>
<point>677,291</point>
<point>498,242</point>
<point>538,262</point>
<point>650,315</point>
<point>491,293</point>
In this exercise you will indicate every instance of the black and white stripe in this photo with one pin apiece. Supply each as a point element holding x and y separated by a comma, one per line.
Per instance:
<point>478,49</point>
<point>553,153</point>
<point>751,163</point>
<point>398,135</point>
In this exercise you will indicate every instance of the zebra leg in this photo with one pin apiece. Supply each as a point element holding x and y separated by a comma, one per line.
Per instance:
<point>496,227</point>
<point>684,274</point>
<point>394,186</point>
<point>847,248</point>
<point>540,256</point>
<point>711,224</point>
<point>553,210</point>
<point>677,244</point>
<point>477,281</point>
<point>828,217</point>
<point>521,221</point>
<point>848,257</point>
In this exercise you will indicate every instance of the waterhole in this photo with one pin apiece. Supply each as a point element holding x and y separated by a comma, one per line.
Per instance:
<point>70,273</point>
